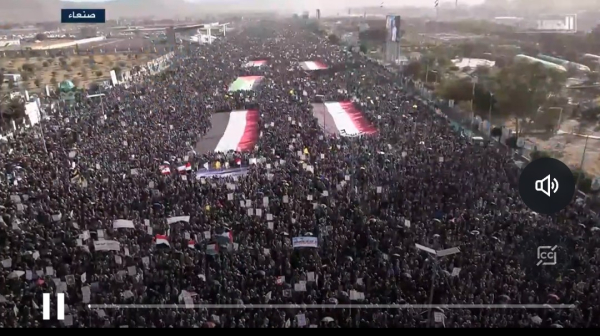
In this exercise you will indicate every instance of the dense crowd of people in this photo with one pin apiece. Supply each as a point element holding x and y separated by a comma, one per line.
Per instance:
<point>368,200</point>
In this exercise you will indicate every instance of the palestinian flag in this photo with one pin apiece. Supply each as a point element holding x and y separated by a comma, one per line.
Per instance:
<point>225,237</point>
<point>342,118</point>
<point>257,64</point>
<point>237,131</point>
<point>245,83</point>
<point>310,65</point>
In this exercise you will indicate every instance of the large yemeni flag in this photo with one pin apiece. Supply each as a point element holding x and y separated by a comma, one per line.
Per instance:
<point>257,63</point>
<point>245,83</point>
<point>342,118</point>
<point>310,65</point>
<point>237,130</point>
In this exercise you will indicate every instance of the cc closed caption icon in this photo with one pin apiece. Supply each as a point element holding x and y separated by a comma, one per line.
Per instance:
<point>546,185</point>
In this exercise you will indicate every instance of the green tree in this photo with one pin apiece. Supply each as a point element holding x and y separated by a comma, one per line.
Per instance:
<point>333,39</point>
<point>12,109</point>
<point>522,89</point>
<point>467,49</point>
<point>93,87</point>
<point>592,78</point>
<point>456,89</point>
<point>28,67</point>
<point>414,69</point>
<point>374,35</point>
<point>483,100</point>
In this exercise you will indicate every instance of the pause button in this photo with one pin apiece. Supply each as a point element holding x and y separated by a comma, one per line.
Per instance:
<point>60,306</point>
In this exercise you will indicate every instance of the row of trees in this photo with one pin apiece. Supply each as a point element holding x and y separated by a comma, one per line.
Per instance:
<point>527,93</point>
<point>11,109</point>
<point>76,69</point>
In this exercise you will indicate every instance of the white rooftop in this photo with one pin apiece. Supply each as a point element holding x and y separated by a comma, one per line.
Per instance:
<point>462,63</point>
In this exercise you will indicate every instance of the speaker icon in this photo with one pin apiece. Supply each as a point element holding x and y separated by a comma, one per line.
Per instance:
<point>547,186</point>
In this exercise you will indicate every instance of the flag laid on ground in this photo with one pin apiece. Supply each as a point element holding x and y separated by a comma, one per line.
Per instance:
<point>237,130</point>
<point>257,63</point>
<point>312,65</point>
<point>342,118</point>
<point>245,83</point>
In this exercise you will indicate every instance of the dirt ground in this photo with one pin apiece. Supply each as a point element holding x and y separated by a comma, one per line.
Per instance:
<point>569,147</point>
<point>569,144</point>
<point>81,70</point>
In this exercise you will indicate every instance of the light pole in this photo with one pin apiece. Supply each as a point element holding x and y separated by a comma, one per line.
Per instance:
<point>490,114</point>
<point>434,269</point>
<point>474,80</point>
<point>587,137</point>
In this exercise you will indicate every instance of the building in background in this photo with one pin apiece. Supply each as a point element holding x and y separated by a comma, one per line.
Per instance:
<point>88,32</point>
<point>8,43</point>
<point>512,21</point>
<point>171,40</point>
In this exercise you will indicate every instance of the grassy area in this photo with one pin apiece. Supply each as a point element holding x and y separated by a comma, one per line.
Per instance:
<point>37,72</point>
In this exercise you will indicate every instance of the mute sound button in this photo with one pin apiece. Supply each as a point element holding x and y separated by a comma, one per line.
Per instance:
<point>546,185</point>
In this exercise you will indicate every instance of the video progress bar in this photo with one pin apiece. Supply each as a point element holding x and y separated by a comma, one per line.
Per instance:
<point>331,306</point>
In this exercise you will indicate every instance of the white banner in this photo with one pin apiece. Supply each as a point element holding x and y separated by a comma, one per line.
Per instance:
<point>123,224</point>
<point>305,242</point>
<point>113,78</point>
<point>172,220</point>
<point>349,135</point>
<point>107,245</point>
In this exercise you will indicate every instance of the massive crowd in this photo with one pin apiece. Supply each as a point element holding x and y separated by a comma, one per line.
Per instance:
<point>367,200</point>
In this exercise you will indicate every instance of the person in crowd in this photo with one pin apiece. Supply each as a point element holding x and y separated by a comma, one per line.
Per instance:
<point>96,208</point>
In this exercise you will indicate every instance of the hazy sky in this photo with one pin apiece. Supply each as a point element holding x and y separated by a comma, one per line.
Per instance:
<point>329,7</point>
<point>341,3</point>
